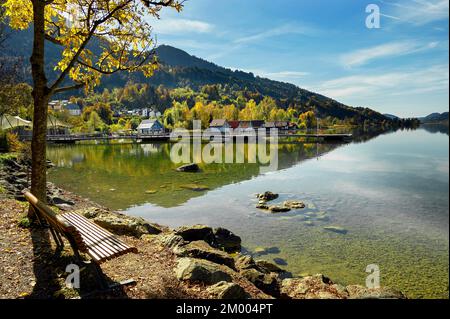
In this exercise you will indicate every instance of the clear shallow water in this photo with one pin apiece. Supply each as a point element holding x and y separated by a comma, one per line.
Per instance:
<point>390,193</point>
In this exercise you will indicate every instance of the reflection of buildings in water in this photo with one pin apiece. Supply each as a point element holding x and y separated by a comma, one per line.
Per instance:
<point>74,159</point>
<point>150,148</point>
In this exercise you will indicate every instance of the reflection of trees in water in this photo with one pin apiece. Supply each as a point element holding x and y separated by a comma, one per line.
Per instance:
<point>135,168</point>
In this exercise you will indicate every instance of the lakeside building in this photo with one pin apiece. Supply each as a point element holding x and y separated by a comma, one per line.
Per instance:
<point>150,127</point>
<point>248,126</point>
<point>281,125</point>
<point>73,109</point>
<point>64,105</point>
<point>221,125</point>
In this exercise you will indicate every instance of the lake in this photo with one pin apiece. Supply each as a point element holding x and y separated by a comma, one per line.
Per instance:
<point>389,192</point>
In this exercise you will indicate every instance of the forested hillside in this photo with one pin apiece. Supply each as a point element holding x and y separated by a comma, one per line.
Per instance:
<point>178,69</point>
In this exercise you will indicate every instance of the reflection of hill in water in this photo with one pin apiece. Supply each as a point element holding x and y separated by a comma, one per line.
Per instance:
<point>435,128</point>
<point>118,175</point>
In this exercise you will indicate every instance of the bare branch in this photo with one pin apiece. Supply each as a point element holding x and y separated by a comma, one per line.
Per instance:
<point>69,88</point>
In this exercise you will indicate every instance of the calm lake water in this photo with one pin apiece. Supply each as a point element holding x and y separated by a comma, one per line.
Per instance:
<point>389,192</point>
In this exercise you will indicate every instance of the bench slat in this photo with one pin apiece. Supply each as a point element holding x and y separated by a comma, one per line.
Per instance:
<point>94,242</point>
<point>101,244</point>
<point>96,231</point>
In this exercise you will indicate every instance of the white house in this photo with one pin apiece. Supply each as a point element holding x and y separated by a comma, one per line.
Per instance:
<point>221,125</point>
<point>150,127</point>
<point>73,109</point>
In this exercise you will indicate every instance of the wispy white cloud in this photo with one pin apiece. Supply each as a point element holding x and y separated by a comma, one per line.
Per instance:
<point>277,31</point>
<point>181,26</point>
<point>278,75</point>
<point>432,79</point>
<point>418,12</point>
<point>393,49</point>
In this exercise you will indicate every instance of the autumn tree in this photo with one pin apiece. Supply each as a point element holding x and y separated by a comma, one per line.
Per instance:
<point>308,120</point>
<point>120,28</point>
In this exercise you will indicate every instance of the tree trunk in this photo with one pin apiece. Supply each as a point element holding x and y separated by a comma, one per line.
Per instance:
<point>41,98</point>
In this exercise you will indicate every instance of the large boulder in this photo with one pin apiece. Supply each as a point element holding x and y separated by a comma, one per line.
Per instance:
<point>227,290</point>
<point>189,168</point>
<point>121,224</point>
<point>360,292</point>
<point>171,240</point>
<point>226,240</point>
<point>196,232</point>
<point>204,271</point>
<point>202,250</point>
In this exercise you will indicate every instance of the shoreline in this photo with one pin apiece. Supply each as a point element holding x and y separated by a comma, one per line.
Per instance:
<point>202,259</point>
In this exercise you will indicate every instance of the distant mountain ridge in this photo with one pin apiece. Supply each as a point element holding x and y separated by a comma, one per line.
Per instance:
<point>180,69</point>
<point>435,118</point>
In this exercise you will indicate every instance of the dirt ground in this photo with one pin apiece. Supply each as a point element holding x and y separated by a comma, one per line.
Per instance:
<point>30,267</point>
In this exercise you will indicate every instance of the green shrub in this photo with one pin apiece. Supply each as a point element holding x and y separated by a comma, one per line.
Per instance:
<point>24,222</point>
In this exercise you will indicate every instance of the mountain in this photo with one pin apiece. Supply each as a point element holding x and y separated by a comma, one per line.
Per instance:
<point>180,69</point>
<point>391,117</point>
<point>435,118</point>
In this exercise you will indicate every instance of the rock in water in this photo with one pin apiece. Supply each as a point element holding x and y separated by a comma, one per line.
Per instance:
<point>293,204</point>
<point>201,271</point>
<point>267,196</point>
<point>61,201</point>
<point>280,261</point>
<point>195,187</point>
<point>262,206</point>
<point>189,168</point>
<point>336,229</point>
<point>279,209</point>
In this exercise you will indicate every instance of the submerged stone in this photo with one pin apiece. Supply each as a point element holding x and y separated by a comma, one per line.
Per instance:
<point>336,229</point>
<point>189,168</point>
<point>280,261</point>
<point>195,187</point>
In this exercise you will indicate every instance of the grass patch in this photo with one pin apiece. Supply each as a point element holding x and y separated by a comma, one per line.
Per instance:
<point>24,222</point>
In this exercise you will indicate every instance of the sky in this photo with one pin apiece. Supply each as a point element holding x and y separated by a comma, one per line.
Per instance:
<point>400,68</point>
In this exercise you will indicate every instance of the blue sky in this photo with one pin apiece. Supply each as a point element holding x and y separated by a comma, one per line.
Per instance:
<point>324,46</point>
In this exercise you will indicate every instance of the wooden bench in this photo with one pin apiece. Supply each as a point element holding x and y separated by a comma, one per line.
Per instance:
<point>83,235</point>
